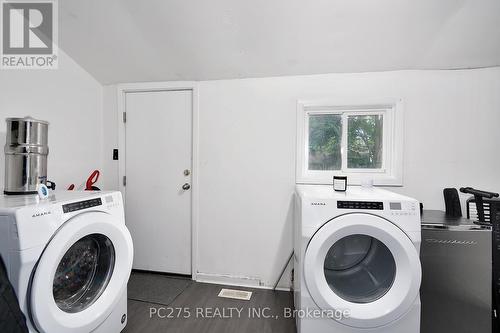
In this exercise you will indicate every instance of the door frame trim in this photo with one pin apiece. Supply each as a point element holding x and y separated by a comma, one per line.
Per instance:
<point>122,90</point>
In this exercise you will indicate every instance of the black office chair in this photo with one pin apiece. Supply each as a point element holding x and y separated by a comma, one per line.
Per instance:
<point>12,319</point>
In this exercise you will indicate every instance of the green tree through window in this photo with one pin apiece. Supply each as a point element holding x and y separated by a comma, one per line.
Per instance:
<point>364,141</point>
<point>325,142</point>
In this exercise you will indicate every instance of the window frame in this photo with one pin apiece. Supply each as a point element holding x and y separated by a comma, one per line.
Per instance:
<point>391,172</point>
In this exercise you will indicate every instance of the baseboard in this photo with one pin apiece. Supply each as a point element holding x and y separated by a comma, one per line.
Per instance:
<point>237,281</point>
<point>172,275</point>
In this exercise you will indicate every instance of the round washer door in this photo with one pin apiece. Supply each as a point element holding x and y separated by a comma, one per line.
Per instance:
<point>81,274</point>
<point>364,264</point>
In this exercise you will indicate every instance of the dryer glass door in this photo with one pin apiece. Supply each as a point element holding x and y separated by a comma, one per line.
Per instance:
<point>364,266</point>
<point>359,268</point>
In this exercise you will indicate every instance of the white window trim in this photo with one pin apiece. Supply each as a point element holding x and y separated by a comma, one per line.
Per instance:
<point>391,173</point>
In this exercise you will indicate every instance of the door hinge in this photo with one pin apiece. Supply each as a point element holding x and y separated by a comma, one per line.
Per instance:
<point>124,180</point>
<point>124,117</point>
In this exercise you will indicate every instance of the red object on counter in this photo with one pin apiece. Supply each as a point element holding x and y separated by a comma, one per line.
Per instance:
<point>94,176</point>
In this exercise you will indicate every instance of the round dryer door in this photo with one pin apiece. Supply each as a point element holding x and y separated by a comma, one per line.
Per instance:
<point>365,266</point>
<point>81,274</point>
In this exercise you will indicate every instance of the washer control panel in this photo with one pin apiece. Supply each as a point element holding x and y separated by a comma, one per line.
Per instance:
<point>74,206</point>
<point>376,205</point>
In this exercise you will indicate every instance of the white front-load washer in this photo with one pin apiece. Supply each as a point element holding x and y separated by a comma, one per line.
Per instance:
<point>68,258</point>
<point>357,266</point>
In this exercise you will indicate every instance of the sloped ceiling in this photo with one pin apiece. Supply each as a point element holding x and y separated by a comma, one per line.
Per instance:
<point>161,40</point>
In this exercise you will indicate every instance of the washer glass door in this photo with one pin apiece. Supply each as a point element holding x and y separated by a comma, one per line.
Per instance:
<point>83,273</point>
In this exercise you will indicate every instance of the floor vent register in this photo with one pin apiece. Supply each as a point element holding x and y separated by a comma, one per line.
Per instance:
<point>235,294</point>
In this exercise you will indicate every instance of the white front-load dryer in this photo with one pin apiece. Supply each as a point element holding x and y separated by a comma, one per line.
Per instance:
<point>357,266</point>
<point>68,258</point>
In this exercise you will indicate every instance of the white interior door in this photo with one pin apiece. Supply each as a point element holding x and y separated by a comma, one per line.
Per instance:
<point>158,139</point>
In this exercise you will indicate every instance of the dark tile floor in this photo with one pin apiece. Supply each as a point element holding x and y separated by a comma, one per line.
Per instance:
<point>160,303</point>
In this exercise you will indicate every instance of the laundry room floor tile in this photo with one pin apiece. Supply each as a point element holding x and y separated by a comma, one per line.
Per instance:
<point>201,310</point>
<point>156,288</point>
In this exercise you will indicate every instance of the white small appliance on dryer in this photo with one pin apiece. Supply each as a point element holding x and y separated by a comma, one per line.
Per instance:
<point>68,258</point>
<point>357,266</point>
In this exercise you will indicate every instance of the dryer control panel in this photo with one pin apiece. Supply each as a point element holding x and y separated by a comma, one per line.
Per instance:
<point>403,209</point>
<point>74,206</point>
<point>377,205</point>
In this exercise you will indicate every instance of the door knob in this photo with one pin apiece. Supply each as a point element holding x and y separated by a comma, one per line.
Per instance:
<point>186,187</point>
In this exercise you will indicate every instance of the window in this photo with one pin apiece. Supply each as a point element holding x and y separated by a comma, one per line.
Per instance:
<point>359,141</point>
<point>325,142</point>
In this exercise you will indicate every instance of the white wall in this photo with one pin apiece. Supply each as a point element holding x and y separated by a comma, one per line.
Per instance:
<point>71,100</point>
<point>247,153</point>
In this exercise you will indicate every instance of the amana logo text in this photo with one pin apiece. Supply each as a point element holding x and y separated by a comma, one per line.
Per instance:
<point>41,214</point>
